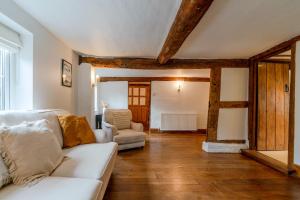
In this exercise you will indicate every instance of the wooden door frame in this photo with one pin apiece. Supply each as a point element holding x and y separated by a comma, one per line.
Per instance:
<point>149,106</point>
<point>253,95</point>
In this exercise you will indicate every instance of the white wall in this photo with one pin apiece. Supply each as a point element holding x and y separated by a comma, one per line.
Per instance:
<point>297,108</point>
<point>233,123</point>
<point>84,94</point>
<point>47,54</point>
<point>193,98</point>
<point>115,94</point>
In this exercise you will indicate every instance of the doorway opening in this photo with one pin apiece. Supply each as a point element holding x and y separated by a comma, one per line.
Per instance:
<point>273,107</point>
<point>139,102</point>
<point>272,113</point>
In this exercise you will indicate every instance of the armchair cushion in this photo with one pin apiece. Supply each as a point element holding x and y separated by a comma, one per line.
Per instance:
<point>128,136</point>
<point>137,126</point>
<point>121,120</point>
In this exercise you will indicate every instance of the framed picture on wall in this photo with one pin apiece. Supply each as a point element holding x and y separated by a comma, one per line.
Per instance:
<point>66,73</point>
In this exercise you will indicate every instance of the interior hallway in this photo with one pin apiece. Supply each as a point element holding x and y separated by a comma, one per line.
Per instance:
<point>172,166</point>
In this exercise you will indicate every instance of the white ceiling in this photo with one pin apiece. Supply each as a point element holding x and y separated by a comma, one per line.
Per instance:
<point>138,28</point>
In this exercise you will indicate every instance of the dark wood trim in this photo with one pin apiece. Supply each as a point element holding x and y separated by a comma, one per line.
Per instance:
<point>252,103</point>
<point>214,103</point>
<point>231,141</point>
<point>282,47</point>
<point>297,169</point>
<point>157,130</point>
<point>147,63</point>
<point>202,131</point>
<point>292,109</point>
<point>266,160</point>
<point>234,104</point>
<point>187,18</point>
<point>149,79</point>
<point>276,61</point>
<point>154,130</point>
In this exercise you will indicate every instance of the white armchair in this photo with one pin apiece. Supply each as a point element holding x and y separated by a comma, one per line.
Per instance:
<point>117,124</point>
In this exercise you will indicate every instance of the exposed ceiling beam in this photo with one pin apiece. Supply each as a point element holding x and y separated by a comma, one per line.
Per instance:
<point>188,16</point>
<point>280,48</point>
<point>148,79</point>
<point>147,63</point>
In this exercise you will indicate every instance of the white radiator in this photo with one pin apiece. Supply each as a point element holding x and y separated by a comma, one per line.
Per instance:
<point>178,122</point>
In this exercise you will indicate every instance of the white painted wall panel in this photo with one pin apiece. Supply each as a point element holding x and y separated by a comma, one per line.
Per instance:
<point>233,124</point>
<point>297,108</point>
<point>193,98</point>
<point>234,84</point>
<point>115,94</point>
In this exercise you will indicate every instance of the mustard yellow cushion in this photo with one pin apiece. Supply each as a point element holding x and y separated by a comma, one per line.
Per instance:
<point>76,130</point>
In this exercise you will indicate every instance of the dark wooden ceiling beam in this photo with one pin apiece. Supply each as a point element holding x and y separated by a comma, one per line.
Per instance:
<point>146,63</point>
<point>274,51</point>
<point>148,79</point>
<point>187,18</point>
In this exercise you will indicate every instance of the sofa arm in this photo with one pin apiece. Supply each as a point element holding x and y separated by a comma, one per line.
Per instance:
<point>137,126</point>
<point>110,129</point>
<point>102,136</point>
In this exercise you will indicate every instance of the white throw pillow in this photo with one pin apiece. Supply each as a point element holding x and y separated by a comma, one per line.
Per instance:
<point>4,175</point>
<point>30,151</point>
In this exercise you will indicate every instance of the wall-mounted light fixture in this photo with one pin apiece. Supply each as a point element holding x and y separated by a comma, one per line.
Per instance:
<point>179,86</point>
<point>97,78</point>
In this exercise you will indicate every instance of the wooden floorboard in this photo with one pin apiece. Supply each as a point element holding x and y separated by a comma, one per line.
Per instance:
<point>173,166</point>
<point>266,160</point>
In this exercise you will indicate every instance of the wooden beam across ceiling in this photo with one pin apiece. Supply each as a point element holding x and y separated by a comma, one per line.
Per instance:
<point>149,79</point>
<point>147,63</point>
<point>187,18</point>
<point>274,51</point>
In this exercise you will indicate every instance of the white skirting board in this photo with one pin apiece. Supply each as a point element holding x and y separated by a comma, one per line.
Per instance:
<point>213,147</point>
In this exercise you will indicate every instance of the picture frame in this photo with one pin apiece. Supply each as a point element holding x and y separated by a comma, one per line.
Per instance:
<point>66,73</point>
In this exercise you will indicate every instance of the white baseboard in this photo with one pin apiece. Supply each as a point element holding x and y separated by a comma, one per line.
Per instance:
<point>213,147</point>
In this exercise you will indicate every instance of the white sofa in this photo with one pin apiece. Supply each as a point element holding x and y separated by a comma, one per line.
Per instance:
<point>84,175</point>
<point>118,124</point>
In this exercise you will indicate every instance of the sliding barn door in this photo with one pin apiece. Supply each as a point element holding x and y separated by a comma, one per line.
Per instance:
<point>139,103</point>
<point>273,106</point>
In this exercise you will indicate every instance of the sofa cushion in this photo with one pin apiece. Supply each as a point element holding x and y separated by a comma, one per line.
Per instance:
<point>129,136</point>
<point>76,130</point>
<point>87,161</point>
<point>30,150</point>
<point>54,188</point>
<point>4,175</point>
<point>10,118</point>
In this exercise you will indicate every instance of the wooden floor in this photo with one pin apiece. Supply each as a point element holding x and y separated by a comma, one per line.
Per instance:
<point>173,166</point>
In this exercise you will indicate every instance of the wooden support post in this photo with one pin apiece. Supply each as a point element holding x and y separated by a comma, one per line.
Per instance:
<point>292,109</point>
<point>214,104</point>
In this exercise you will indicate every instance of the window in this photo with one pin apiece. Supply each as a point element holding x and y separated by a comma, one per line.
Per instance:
<point>10,44</point>
<point>7,62</point>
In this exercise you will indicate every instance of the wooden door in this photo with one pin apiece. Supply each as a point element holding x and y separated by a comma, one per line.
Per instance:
<point>139,102</point>
<point>273,106</point>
